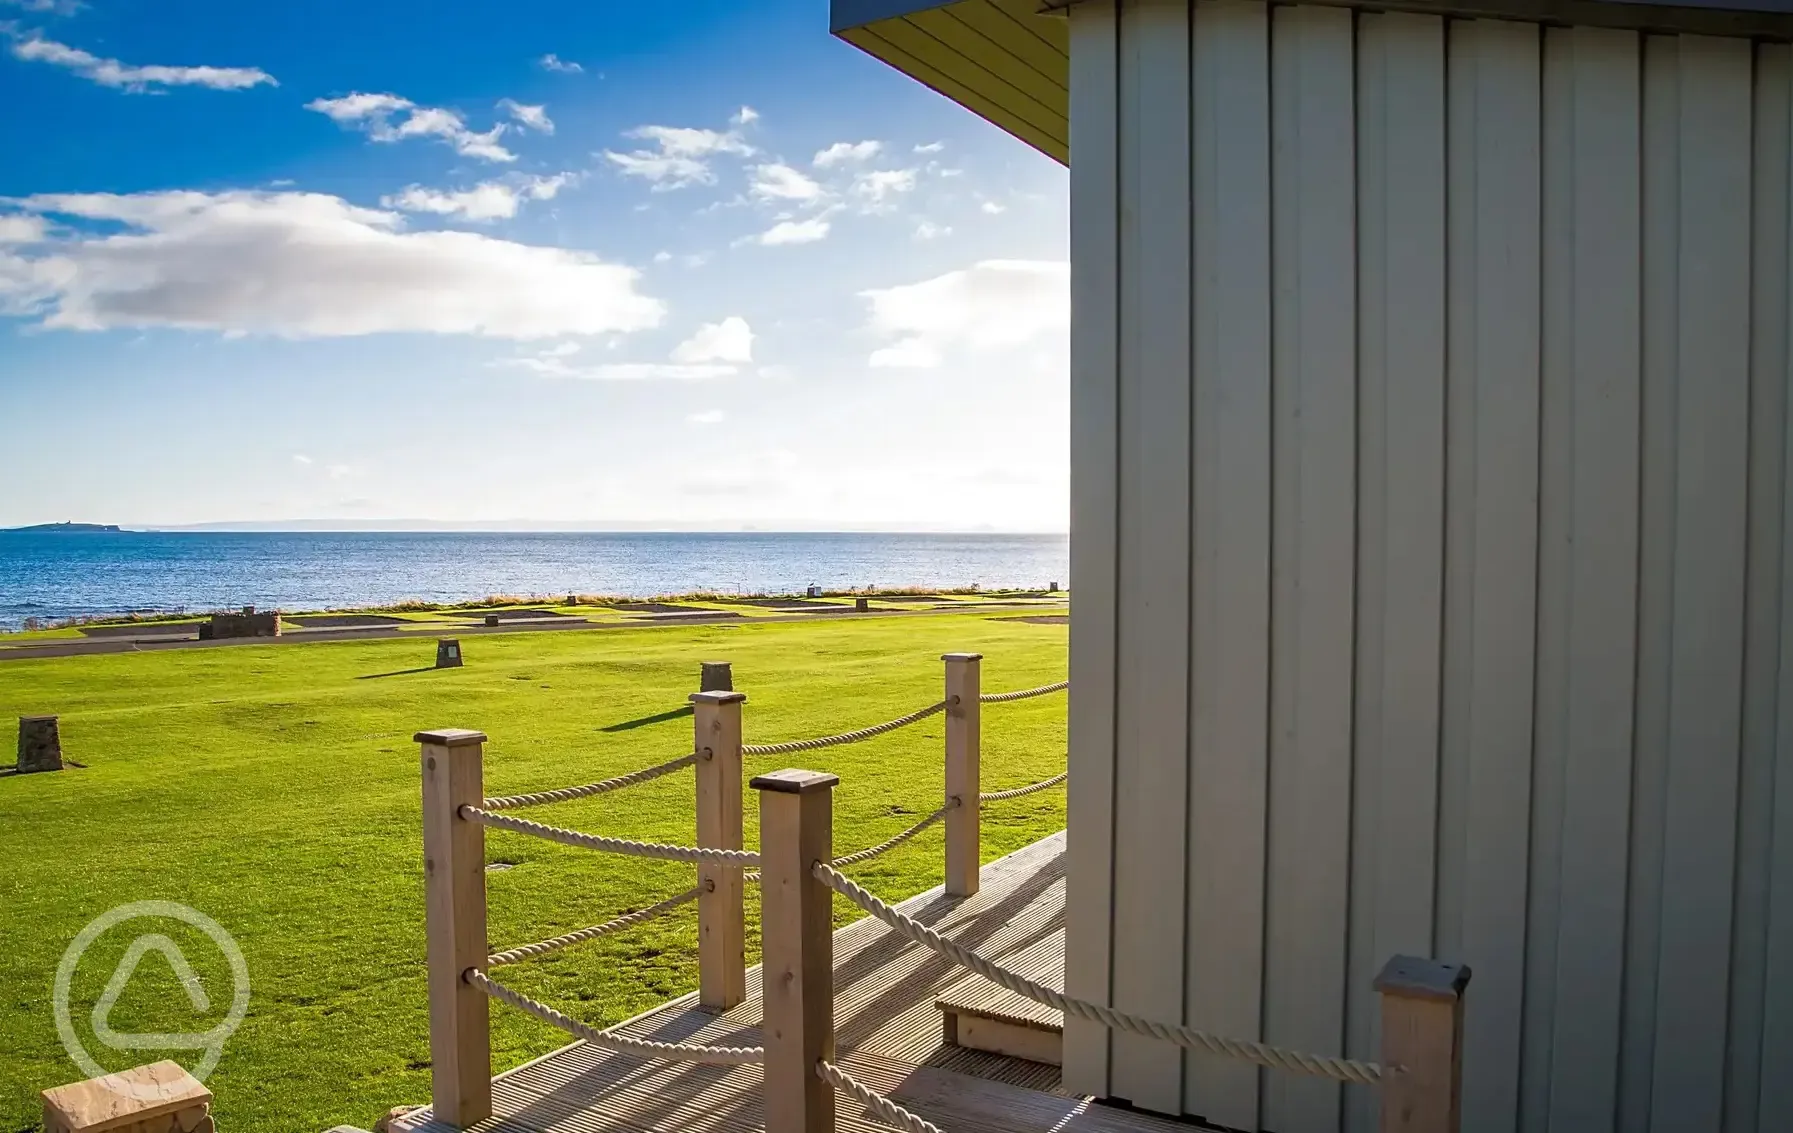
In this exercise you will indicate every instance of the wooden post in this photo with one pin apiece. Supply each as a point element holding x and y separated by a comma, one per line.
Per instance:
<point>1422,1045</point>
<point>797,939</point>
<point>964,779</point>
<point>721,914</point>
<point>454,881</point>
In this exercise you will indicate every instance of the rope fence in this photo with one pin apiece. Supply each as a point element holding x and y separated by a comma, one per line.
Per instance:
<point>1022,694</point>
<point>845,737</point>
<point>1277,1058</point>
<point>617,924</point>
<point>625,846</point>
<point>886,1109</point>
<point>566,794</point>
<point>1018,792</point>
<point>610,1040</point>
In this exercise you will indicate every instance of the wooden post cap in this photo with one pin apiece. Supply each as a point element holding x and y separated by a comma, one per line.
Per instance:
<point>717,697</point>
<point>961,656</point>
<point>795,781</point>
<point>128,1099</point>
<point>1415,977</point>
<point>450,737</point>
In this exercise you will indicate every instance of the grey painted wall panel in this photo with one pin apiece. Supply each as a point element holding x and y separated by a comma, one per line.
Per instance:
<point>1151,753</point>
<point>1095,488</point>
<point>1431,530</point>
<point>1230,579</point>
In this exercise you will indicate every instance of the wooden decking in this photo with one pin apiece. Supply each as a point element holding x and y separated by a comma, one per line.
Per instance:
<point>888,1028</point>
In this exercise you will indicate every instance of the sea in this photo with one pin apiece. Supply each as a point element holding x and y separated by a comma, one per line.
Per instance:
<point>67,574</point>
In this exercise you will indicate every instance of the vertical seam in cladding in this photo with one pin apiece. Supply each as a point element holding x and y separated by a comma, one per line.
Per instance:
<point>1114,547</point>
<point>1440,693</point>
<point>1190,703</point>
<point>1270,542</point>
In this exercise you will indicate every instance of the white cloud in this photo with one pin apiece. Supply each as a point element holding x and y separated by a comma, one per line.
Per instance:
<point>730,340</point>
<point>793,232</point>
<point>776,181</point>
<point>928,230</point>
<point>707,417</point>
<point>531,117</point>
<point>374,115</point>
<point>550,367</point>
<point>931,147</point>
<point>679,157</point>
<point>112,73</point>
<point>991,305</point>
<point>745,115</point>
<point>491,200</point>
<point>21,229</point>
<point>51,7</point>
<point>841,152</point>
<point>875,186</point>
<point>993,207</point>
<point>303,265</point>
<point>301,458</point>
<point>662,257</point>
<point>553,62</point>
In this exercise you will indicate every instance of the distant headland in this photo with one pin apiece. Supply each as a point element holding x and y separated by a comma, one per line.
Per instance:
<point>64,528</point>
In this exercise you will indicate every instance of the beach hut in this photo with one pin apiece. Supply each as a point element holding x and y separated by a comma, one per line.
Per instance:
<point>1430,534</point>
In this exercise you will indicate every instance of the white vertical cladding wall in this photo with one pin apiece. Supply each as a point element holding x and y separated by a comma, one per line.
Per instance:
<point>1432,546</point>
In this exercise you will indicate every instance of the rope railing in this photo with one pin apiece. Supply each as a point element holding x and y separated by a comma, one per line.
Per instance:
<point>1018,792</point>
<point>790,746</point>
<point>886,1109</point>
<point>580,936</point>
<point>623,846</point>
<point>610,1040</point>
<point>1022,694</point>
<point>566,794</point>
<point>1278,1058</point>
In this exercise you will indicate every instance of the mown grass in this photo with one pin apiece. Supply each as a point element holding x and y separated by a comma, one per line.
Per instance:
<point>275,788</point>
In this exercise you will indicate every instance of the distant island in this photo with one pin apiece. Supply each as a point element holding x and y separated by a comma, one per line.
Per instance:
<point>64,528</point>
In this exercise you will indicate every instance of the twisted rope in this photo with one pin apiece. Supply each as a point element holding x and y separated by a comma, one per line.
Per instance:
<point>892,843</point>
<point>1277,1058</point>
<point>564,794</point>
<point>610,1040</point>
<point>845,737</point>
<point>1023,694</point>
<point>555,944</point>
<point>1017,792</point>
<point>879,1104</point>
<point>610,845</point>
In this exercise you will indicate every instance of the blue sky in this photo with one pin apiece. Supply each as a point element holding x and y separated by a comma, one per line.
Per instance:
<point>688,264</point>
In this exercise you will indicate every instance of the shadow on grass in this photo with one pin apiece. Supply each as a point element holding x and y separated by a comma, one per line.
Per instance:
<point>398,673</point>
<point>658,718</point>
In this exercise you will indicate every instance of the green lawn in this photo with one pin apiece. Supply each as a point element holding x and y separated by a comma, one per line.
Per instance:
<point>275,788</point>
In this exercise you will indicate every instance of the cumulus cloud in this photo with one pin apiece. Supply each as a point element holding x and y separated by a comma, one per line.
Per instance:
<point>22,229</point>
<point>993,208</point>
<point>930,147</point>
<point>875,187</point>
<point>136,79</point>
<point>553,62</point>
<point>794,232</point>
<point>679,156</point>
<point>301,265</point>
<point>928,230</point>
<point>745,115</point>
<point>775,181</point>
<point>390,118</point>
<point>730,340</point>
<point>47,7</point>
<point>841,153</point>
<point>491,200</point>
<point>707,417</point>
<point>531,117</point>
<point>992,304</point>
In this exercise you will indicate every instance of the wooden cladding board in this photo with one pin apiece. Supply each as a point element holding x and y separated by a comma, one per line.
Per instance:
<point>1431,543</point>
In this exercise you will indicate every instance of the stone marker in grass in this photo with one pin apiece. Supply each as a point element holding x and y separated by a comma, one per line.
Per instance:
<point>40,744</point>
<point>448,653</point>
<point>716,677</point>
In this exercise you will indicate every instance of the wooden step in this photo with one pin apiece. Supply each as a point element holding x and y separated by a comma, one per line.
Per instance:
<point>980,1015</point>
<point>966,1104</point>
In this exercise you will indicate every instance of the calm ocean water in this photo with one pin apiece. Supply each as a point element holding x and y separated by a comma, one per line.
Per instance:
<point>58,576</point>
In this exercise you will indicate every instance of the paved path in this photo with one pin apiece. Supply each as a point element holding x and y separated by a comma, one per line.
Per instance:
<point>149,643</point>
